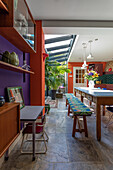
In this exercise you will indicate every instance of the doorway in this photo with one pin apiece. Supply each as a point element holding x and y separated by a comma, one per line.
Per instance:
<point>78,78</point>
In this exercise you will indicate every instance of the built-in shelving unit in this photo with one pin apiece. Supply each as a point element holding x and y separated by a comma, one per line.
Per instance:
<point>18,25</point>
<point>3,6</point>
<point>9,125</point>
<point>10,67</point>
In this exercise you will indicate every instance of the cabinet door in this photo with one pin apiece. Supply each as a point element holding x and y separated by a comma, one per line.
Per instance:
<point>99,69</point>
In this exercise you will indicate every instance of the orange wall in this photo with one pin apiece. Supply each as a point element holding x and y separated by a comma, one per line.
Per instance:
<point>37,81</point>
<point>78,64</point>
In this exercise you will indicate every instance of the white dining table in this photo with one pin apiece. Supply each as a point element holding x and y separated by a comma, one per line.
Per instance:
<point>98,96</point>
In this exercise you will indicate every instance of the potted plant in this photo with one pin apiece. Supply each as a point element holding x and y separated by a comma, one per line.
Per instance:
<point>54,75</point>
<point>91,76</point>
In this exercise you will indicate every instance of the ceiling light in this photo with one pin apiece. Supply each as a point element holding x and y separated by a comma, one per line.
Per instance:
<point>90,56</point>
<point>96,39</point>
<point>84,65</point>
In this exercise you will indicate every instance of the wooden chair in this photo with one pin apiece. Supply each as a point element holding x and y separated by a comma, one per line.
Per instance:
<point>110,109</point>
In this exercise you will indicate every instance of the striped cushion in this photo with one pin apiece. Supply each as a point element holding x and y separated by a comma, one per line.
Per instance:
<point>77,106</point>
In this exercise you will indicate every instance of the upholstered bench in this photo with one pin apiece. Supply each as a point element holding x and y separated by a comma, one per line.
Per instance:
<point>78,109</point>
<point>68,96</point>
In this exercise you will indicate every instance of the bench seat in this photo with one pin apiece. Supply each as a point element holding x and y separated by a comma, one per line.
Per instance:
<point>78,109</point>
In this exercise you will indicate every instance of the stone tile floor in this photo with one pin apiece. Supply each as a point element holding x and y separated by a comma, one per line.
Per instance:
<point>64,151</point>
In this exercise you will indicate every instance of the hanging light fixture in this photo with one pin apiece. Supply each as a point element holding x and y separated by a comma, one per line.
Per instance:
<point>90,56</point>
<point>84,65</point>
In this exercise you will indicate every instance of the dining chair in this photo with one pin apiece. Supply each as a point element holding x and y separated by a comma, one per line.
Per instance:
<point>40,129</point>
<point>110,109</point>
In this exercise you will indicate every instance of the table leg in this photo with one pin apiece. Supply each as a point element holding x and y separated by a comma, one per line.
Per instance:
<point>75,92</point>
<point>74,126</point>
<point>33,130</point>
<point>68,110</point>
<point>90,103</point>
<point>98,122</point>
<point>82,98</point>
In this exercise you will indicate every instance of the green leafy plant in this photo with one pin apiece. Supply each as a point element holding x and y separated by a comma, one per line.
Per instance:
<point>54,75</point>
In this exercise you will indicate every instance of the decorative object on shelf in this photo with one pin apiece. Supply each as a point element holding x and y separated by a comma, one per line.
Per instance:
<point>25,66</point>
<point>14,60</point>
<point>91,76</point>
<point>110,69</point>
<point>45,55</point>
<point>11,58</point>
<point>5,56</point>
<point>2,101</point>
<point>90,56</point>
<point>98,82</point>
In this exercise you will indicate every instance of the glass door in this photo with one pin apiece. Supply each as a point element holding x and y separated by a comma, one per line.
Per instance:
<point>78,78</point>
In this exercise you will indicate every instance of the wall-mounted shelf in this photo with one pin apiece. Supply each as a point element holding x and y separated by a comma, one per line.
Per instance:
<point>10,67</point>
<point>3,7</point>
<point>108,72</point>
<point>11,34</point>
<point>18,26</point>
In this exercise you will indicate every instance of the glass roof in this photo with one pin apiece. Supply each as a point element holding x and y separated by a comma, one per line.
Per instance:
<point>60,50</point>
<point>59,46</point>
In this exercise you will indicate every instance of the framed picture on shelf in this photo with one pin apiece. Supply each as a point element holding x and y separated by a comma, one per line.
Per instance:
<point>15,94</point>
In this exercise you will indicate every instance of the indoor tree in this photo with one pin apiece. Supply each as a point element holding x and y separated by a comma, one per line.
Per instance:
<point>54,74</point>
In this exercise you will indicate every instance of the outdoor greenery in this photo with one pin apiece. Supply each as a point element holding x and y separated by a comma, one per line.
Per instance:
<point>54,74</point>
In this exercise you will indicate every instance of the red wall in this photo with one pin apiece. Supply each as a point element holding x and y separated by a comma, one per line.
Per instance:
<point>37,81</point>
<point>78,64</point>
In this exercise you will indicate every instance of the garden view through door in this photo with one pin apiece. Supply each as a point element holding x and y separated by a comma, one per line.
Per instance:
<point>78,79</point>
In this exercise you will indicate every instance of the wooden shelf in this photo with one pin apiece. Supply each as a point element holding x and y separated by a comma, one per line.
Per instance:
<point>16,39</point>
<point>10,67</point>
<point>108,72</point>
<point>3,7</point>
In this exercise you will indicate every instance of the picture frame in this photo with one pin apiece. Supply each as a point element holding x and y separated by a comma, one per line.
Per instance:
<point>15,94</point>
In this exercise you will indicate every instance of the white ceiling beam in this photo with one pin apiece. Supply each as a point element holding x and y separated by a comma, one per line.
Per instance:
<point>78,23</point>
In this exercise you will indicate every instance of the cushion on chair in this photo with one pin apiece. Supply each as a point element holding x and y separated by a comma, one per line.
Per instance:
<point>28,129</point>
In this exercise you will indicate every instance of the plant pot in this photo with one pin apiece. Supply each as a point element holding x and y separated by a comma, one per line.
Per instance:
<point>53,94</point>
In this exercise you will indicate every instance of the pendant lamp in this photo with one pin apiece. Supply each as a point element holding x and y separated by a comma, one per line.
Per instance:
<point>90,56</point>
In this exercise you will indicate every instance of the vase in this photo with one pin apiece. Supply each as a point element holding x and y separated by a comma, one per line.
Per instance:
<point>91,84</point>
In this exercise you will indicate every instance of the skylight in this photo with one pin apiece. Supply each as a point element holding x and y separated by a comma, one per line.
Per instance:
<point>59,46</point>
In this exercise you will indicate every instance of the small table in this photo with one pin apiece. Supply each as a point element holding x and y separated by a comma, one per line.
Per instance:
<point>30,114</point>
<point>59,94</point>
<point>98,96</point>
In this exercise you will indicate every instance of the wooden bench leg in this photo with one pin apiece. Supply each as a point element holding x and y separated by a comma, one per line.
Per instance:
<point>90,103</point>
<point>74,126</point>
<point>68,110</point>
<point>85,126</point>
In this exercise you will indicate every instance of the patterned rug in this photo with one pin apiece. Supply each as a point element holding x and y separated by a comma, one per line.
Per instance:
<point>53,103</point>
